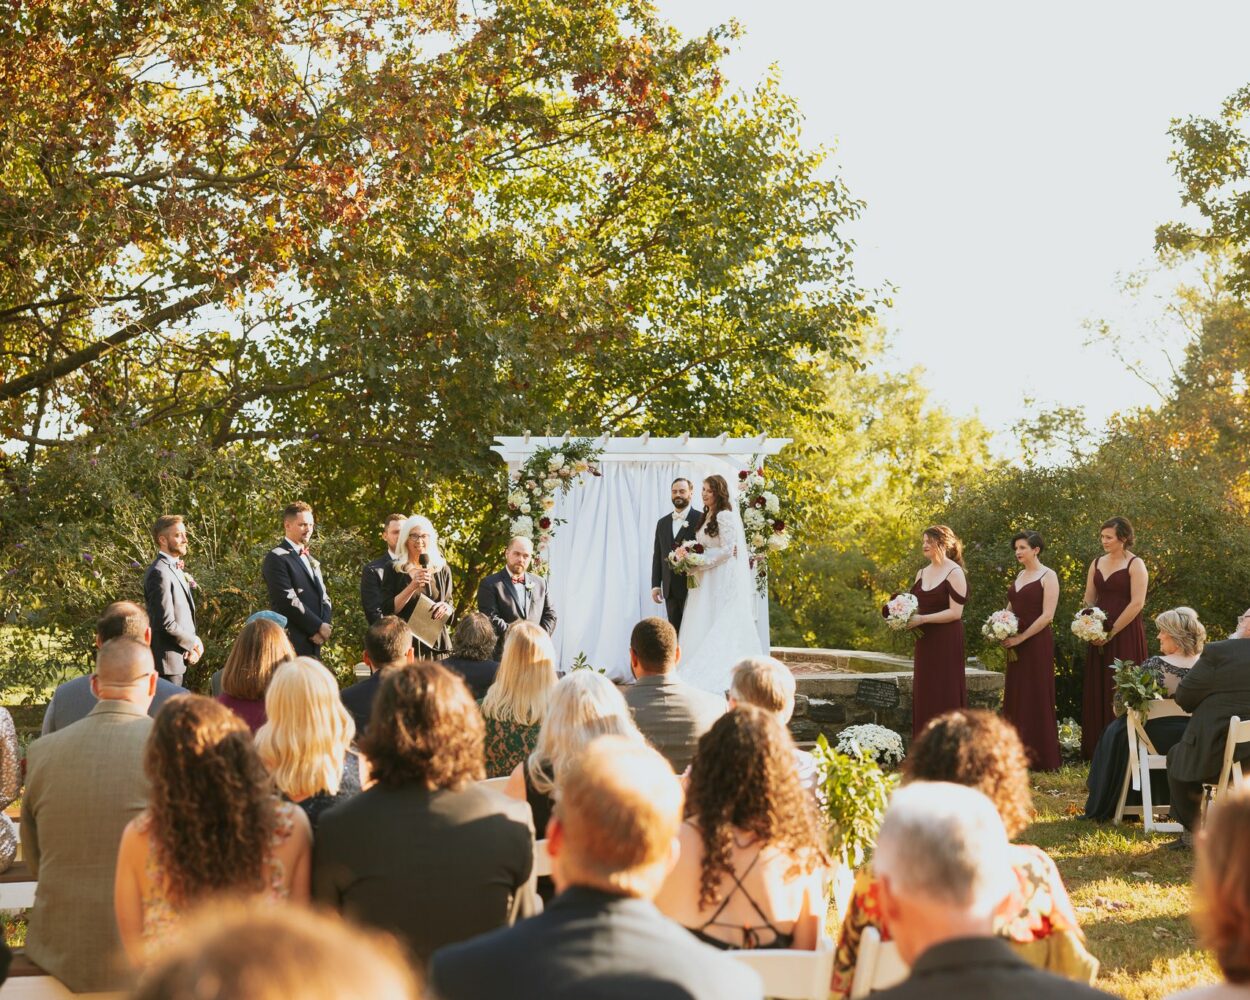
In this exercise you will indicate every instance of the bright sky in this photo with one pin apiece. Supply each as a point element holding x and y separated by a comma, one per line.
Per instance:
<point>1014,159</point>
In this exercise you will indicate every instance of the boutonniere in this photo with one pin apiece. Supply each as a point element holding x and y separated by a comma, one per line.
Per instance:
<point>529,585</point>
<point>190,580</point>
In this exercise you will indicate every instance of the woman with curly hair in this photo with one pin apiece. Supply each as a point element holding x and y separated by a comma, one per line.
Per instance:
<point>752,867</point>
<point>428,853</point>
<point>983,751</point>
<point>213,827</point>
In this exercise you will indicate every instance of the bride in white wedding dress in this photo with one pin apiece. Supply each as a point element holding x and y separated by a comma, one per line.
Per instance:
<point>718,626</point>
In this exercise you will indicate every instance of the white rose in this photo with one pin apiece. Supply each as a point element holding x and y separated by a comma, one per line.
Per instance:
<point>525,508</point>
<point>758,541</point>
<point>555,461</point>
<point>517,498</point>
<point>550,485</point>
<point>754,519</point>
<point>777,542</point>
<point>771,503</point>
<point>548,503</point>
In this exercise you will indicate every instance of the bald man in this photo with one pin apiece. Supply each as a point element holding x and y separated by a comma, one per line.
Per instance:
<point>83,785</point>
<point>613,841</point>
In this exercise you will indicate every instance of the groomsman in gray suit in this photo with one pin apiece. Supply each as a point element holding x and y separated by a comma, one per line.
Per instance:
<point>167,592</point>
<point>83,785</point>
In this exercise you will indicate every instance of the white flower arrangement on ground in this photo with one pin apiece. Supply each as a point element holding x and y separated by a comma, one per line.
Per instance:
<point>999,626</point>
<point>883,745</point>
<point>532,491</point>
<point>1088,625</point>
<point>766,531</point>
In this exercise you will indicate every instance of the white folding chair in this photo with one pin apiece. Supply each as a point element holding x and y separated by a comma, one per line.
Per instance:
<point>496,783</point>
<point>789,974</point>
<point>1230,770</point>
<point>1142,759</point>
<point>878,966</point>
<point>542,860</point>
<point>17,888</point>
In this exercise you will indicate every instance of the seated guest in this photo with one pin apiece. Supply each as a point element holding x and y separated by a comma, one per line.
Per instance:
<point>671,714</point>
<point>278,953</point>
<point>10,788</point>
<point>983,751</point>
<point>1222,897</point>
<point>752,866</point>
<point>83,785</point>
<point>612,842</point>
<point>73,700</point>
<point>767,683</point>
<point>943,867</point>
<point>213,827</point>
<point>305,741</point>
<point>214,681</point>
<point>1216,689</point>
<point>473,653</point>
<point>515,704</point>
<point>427,853</point>
<point>584,705</point>
<point>1181,638</point>
<point>261,645</point>
<point>388,643</point>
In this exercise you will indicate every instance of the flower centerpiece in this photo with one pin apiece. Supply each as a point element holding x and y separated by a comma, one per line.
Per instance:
<point>1089,625</point>
<point>766,530</point>
<point>999,626</point>
<point>883,745</point>
<point>685,558</point>
<point>532,491</point>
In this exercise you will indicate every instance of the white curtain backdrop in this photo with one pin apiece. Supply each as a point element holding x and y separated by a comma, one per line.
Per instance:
<point>600,577</point>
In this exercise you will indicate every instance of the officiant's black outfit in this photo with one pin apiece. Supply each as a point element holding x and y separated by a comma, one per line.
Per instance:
<point>671,530</point>
<point>438,589</point>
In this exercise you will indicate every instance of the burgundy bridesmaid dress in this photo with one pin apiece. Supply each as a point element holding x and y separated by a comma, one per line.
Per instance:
<point>1029,698</point>
<point>1114,595</point>
<point>938,681</point>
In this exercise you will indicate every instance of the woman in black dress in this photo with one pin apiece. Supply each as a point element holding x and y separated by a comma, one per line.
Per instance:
<point>406,579</point>
<point>1181,637</point>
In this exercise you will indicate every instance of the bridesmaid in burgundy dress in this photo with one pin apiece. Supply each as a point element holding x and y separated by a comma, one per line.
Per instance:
<point>938,681</point>
<point>1116,584</point>
<point>1029,699</point>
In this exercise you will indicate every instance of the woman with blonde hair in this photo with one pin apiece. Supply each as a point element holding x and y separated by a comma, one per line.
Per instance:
<point>418,570</point>
<point>516,703</point>
<point>1181,638</point>
<point>260,647</point>
<point>305,741</point>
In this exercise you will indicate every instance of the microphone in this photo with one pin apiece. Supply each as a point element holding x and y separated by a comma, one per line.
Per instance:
<point>423,560</point>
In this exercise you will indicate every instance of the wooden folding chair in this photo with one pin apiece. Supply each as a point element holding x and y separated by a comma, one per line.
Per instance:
<point>1142,759</point>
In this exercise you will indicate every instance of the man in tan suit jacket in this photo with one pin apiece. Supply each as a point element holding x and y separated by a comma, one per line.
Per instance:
<point>670,713</point>
<point>83,785</point>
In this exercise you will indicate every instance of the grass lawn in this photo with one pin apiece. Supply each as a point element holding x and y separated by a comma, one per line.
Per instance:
<point>1131,893</point>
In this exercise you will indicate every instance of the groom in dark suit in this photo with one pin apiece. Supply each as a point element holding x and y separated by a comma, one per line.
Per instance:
<point>669,588</point>
<point>515,594</point>
<point>297,590</point>
<point>170,602</point>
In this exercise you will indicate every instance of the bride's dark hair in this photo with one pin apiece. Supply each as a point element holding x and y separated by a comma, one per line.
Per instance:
<point>720,501</point>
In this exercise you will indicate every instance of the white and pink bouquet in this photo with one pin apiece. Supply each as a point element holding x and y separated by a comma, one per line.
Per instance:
<point>899,610</point>
<point>999,626</point>
<point>686,558</point>
<point>1089,625</point>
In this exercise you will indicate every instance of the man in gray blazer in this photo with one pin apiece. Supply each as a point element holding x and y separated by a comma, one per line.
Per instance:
<point>669,712</point>
<point>1216,689</point>
<point>168,594</point>
<point>83,785</point>
<point>75,699</point>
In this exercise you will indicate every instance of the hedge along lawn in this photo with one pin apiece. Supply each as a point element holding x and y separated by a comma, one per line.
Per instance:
<point>1131,892</point>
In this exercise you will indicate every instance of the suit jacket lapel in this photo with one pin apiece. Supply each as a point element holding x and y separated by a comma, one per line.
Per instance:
<point>505,584</point>
<point>308,574</point>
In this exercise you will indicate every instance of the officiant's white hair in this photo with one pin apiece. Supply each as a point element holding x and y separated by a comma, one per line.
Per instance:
<point>400,552</point>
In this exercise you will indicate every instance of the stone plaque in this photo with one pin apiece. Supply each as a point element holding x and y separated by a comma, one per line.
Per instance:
<point>877,694</point>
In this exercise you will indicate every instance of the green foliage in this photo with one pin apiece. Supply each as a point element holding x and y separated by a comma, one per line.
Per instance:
<point>853,791</point>
<point>582,662</point>
<point>1136,685</point>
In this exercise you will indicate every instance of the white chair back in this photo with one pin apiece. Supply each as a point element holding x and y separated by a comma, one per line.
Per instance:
<point>878,966</point>
<point>789,974</point>
<point>542,860</point>
<point>497,784</point>
<point>1230,771</point>
<point>1142,759</point>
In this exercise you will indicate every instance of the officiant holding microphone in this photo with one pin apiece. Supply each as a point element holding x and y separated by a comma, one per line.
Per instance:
<point>418,577</point>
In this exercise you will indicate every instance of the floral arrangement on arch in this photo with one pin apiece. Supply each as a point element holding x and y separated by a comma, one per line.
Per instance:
<point>532,491</point>
<point>760,510</point>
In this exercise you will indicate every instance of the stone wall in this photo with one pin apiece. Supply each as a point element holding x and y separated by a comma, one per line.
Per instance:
<point>828,682</point>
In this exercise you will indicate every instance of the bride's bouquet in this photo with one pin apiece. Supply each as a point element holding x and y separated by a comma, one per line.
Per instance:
<point>899,610</point>
<point>686,558</point>
<point>1089,624</point>
<point>999,626</point>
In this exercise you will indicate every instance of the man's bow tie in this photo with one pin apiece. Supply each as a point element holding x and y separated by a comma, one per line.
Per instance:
<point>302,550</point>
<point>679,515</point>
<point>518,579</point>
<point>180,564</point>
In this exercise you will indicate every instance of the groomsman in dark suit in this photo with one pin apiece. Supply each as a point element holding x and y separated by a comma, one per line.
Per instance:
<point>514,594</point>
<point>371,575</point>
<point>673,529</point>
<point>170,601</point>
<point>297,590</point>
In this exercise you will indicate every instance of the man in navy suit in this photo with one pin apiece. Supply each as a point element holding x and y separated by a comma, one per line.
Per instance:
<point>375,569</point>
<point>515,594</point>
<point>170,602</point>
<point>297,590</point>
<point>677,528</point>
